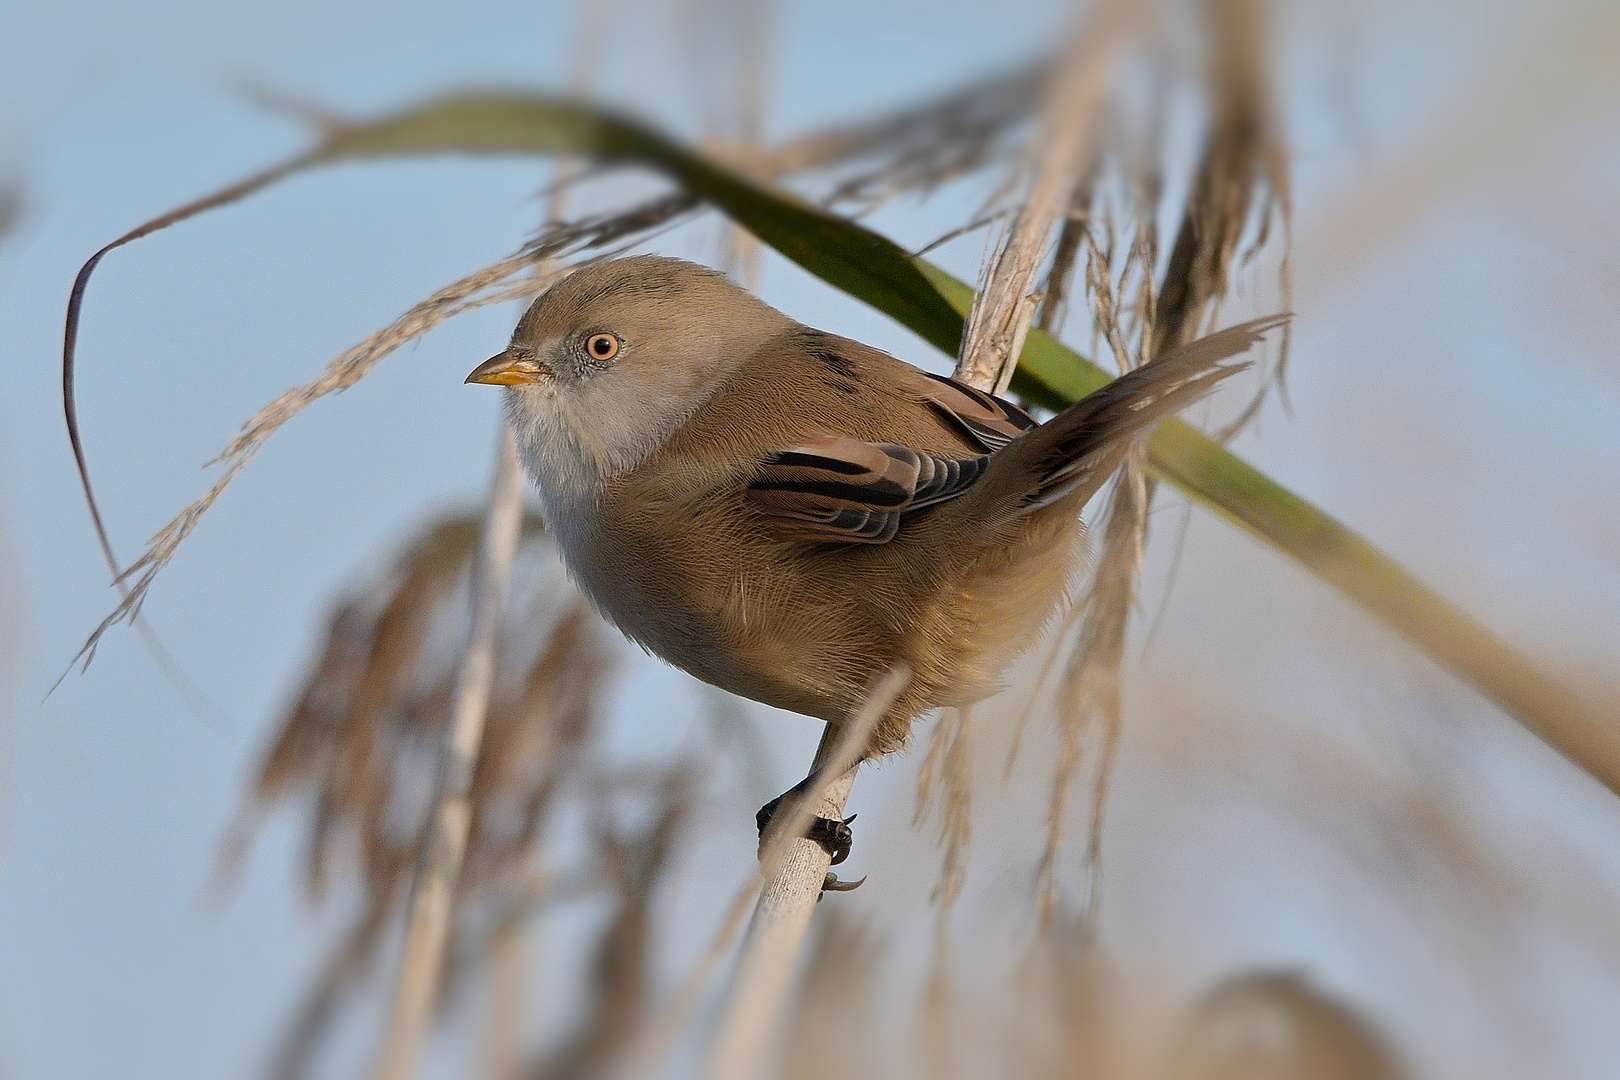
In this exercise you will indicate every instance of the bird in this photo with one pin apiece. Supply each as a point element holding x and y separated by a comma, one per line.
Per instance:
<point>787,514</point>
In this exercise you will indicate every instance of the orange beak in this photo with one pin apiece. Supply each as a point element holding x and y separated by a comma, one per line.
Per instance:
<point>505,369</point>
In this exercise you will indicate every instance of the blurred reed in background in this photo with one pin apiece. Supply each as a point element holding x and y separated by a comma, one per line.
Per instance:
<point>1162,236</point>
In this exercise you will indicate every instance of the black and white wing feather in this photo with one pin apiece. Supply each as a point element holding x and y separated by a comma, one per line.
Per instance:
<point>844,490</point>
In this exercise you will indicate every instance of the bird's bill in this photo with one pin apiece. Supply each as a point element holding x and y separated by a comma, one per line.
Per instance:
<point>505,369</point>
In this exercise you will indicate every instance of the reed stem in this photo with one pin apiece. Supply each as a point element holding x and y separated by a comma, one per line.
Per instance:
<point>432,898</point>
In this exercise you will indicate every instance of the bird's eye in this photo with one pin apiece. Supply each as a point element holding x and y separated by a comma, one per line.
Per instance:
<point>602,346</point>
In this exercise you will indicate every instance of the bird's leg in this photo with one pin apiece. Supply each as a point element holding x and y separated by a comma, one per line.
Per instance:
<point>834,836</point>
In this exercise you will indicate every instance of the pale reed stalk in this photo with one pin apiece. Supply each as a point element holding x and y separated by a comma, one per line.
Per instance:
<point>794,869</point>
<point>433,898</point>
<point>1005,304</point>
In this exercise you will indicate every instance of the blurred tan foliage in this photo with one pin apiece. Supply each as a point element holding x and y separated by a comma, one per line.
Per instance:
<point>359,745</point>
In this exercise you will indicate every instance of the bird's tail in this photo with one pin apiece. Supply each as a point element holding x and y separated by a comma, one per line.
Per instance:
<point>1078,449</point>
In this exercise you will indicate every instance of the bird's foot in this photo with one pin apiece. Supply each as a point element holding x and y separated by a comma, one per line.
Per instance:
<point>833,835</point>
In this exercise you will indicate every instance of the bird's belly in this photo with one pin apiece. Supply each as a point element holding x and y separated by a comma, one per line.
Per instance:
<point>738,625</point>
<point>811,639</point>
<point>710,643</point>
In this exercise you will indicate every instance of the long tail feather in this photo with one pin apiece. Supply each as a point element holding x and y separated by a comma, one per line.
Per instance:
<point>1078,449</point>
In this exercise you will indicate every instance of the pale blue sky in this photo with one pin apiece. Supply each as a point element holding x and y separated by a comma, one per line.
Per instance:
<point>1455,390</point>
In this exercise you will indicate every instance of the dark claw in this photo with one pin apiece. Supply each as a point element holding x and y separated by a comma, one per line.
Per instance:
<point>833,835</point>
<point>832,884</point>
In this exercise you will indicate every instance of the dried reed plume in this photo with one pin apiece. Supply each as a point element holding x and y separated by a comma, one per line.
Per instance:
<point>945,793</point>
<point>1089,691</point>
<point>1079,176</point>
<point>620,974</point>
<point>1088,697</point>
<point>918,149</point>
<point>1239,187</point>
<point>509,279</point>
<point>360,742</point>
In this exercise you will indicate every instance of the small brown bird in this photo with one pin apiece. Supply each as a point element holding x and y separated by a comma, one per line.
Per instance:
<point>786,514</point>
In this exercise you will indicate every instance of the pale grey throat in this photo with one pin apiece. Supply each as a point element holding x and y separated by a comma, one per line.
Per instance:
<point>575,434</point>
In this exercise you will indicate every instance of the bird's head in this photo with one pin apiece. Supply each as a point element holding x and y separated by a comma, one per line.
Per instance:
<point>620,353</point>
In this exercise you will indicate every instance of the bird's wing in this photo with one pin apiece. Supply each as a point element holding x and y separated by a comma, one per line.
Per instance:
<point>843,490</point>
<point>986,421</point>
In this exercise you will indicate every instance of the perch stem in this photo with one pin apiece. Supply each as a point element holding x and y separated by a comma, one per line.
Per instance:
<point>432,899</point>
<point>794,869</point>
